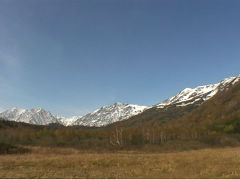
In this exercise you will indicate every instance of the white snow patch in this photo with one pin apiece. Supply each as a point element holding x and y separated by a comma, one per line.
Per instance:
<point>205,92</point>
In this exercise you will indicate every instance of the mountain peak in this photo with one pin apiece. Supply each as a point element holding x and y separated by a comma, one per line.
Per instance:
<point>109,114</point>
<point>118,104</point>
<point>200,93</point>
<point>118,111</point>
<point>34,116</point>
<point>16,109</point>
<point>38,109</point>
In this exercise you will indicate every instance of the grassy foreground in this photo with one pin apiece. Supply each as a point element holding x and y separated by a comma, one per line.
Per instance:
<point>70,163</point>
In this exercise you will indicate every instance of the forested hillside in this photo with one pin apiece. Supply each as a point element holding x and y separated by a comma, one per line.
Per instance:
<point>216,122</point>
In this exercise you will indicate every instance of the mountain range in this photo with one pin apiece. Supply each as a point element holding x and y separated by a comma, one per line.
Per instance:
<point>100,117</point>
<point>189,97</point>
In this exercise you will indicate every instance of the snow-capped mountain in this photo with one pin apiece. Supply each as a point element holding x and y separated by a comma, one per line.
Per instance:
<point>68,121</point>
<point>100,117</point>
<point>118,111</point>
<point>37,116</point>
<point>109,114</point>
<point>13,113</point>
<point>198,94</point>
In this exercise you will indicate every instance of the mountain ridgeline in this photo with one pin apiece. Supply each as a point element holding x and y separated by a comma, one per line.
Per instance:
<point>194,118</point>
<point>100,117</point>
<point>182,103</point>
<point>188,99</point>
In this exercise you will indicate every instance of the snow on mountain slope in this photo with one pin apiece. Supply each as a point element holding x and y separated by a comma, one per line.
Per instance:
<point>12,113</point>
<point>198,94</point>
<point>118,111</point>
<point>68,121</point>
<point>100,117</point>
<point>109,114</point>
<point>34,116</point>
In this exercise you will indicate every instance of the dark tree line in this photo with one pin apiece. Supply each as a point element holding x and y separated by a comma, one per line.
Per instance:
<point>215,122</point>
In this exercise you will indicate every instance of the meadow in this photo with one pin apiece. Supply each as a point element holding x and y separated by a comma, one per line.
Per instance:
<point>182,142</point>
<point>43,162</point>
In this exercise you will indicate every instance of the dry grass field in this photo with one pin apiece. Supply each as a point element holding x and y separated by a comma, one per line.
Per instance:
<point>70,163</point>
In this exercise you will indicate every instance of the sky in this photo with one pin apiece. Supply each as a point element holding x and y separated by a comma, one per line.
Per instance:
<point>73,56</point>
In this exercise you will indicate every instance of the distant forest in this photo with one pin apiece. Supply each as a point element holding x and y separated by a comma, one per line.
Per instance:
<point>216,122</point>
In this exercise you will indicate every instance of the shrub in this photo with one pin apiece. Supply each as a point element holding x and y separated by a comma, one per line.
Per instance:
<point>10,149</point>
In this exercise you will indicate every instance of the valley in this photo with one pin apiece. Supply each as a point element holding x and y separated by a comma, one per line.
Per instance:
<point>190,135</point>
<point>49,163</point>
<point>113,89</point>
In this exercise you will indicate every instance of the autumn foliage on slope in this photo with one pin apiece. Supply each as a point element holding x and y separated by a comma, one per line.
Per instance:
<point>216,122</point>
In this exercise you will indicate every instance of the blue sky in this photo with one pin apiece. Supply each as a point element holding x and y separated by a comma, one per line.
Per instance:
<point>73,56</point>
